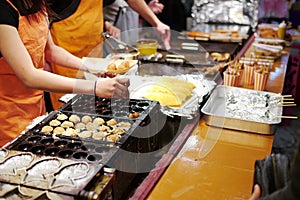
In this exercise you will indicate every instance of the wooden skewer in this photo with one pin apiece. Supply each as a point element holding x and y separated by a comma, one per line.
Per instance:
<point>286,117</point>
<point>287,95</point>
<point>292,104</point>
<point>229,62</point>
<point>287,102</point>
<point>288,99</point>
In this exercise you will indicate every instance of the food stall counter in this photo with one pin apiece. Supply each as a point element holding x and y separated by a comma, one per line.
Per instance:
<point>218,163</point>
<point>214,163</point>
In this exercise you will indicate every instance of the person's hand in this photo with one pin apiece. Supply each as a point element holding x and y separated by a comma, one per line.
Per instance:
<point>164,32</point>
<point>155,6</point>
<point>256,193</point>
<point>113,88</point>
<point>112,30</point>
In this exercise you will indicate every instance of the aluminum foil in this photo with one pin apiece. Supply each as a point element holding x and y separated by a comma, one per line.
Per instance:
<point>191,107</point>
<point>243,12</point>
<point>244,104</point>
<point>45,173</point>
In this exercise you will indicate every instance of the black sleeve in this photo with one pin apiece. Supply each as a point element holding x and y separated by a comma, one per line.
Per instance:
<point>8,15</point>
<point>291,191</point>
<point>108,2</point>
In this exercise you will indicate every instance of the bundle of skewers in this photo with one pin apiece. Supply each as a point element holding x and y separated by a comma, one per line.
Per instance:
<point>280,100</point>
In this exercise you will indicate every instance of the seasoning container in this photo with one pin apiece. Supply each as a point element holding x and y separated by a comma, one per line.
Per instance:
<point>147,46</point>
<point>249,74</point>
<point>231,78</point>
<point>281,30</point>
<point>261,76</point>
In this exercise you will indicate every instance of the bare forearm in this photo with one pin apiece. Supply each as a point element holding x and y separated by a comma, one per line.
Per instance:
<point>143,9</point>
<point>63,58</point>
<point>44,80</point>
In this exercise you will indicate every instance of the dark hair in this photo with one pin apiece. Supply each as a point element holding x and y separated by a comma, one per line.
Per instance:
<point>28,7</point>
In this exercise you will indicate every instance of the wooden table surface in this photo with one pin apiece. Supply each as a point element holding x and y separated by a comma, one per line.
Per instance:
<point>215,163</point>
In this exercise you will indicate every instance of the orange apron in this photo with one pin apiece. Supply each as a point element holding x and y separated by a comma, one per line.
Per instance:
<point>18,104</point>
<point>79,34</point>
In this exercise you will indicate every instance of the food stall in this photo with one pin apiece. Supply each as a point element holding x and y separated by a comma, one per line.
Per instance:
<point>97,148</point>
<point>214,162</point>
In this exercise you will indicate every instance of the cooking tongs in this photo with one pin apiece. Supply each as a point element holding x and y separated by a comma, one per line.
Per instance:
<point>116,45</point>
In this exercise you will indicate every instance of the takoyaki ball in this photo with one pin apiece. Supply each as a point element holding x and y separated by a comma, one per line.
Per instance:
<point>99,121</point>
<point>85,134</point>
<point>86,119</point>
<point>62,117</point>
<point>54,122</point>
<point>99,135</point>
<point>74,118</point>
<point>124,65</point>
<point>80,126</point>
<point>134,115</point>
<point>104,128</point>
<point>67,124</point>
<point>111,67</point>
<point>112,138</point>
<point>47,129</point>
<point>58,130</point>
<point>124,125</point>
<point>111,122</point>
<point>70,132</point>
<point>91,126</point>
<point>118,131</point>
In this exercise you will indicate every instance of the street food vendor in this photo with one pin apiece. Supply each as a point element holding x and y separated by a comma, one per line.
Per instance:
<point>80,25</point>
<point>24,46</point>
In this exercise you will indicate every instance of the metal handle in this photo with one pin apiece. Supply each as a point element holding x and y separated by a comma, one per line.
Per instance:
<point>120,43</point>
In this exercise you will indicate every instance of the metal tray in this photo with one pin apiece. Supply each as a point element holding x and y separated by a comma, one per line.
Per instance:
<point>242,109</point>
<point>46,173</point>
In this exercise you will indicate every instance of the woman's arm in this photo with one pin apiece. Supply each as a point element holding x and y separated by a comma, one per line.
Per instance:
<point>20,62</point>
<point>143,9</point>
<point>57,55</point>
<point>17,57</point>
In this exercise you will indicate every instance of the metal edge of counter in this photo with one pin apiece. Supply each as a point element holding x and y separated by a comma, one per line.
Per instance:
<point>144,189</point>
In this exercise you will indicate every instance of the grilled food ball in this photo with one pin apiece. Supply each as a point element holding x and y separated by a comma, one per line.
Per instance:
<point>67,124</point>
<point>54,122</point>
<point>47,129</point>
<point>112,67</point>
<point>86,119</point>
<point>62,117</point>
<point>74,118</point>
<point>99,121</point>
<point>58,130</point>
<point>111,122</point>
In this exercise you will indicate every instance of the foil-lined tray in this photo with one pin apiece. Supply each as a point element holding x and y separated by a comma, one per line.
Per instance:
<point>243,109</point>
<point>190,108</point>
<point>53,174</point>
<point>226,11</point>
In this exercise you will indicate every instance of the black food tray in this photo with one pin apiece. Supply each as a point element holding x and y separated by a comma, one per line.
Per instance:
<point>78,150</point>
<point>86,134</point>
<point>117,108</point>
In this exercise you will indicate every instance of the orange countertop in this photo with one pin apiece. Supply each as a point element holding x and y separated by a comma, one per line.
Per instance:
<point>213,164</point>
<point>216,163</point>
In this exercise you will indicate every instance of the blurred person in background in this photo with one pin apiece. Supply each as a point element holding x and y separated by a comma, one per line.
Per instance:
<point>175,13</point>
<point>25,45</point>
<point>291,191</point>
<point>78,29</point>
<point>122,16</point>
